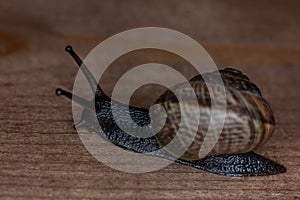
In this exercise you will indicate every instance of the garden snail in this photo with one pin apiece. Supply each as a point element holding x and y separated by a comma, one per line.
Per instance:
<point>247,114</point>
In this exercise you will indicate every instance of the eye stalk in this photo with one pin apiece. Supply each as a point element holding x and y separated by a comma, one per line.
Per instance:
<point>89,109</point>
<point>89,76</point>
<point>85,103</point>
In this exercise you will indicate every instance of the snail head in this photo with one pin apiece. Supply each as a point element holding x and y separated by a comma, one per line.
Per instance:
<point>88,118</point>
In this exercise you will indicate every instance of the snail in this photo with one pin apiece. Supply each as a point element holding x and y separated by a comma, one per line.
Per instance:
<point>247,113</point>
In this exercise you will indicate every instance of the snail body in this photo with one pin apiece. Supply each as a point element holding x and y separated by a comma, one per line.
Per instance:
<point>248,124</point>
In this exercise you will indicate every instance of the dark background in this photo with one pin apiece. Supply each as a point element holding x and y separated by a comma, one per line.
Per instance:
<point>41,156</point>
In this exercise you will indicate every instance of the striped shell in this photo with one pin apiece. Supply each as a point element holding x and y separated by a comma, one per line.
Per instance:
<point>249,120</point>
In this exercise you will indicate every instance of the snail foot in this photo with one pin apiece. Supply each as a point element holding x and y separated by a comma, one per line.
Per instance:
<point>237,165</point>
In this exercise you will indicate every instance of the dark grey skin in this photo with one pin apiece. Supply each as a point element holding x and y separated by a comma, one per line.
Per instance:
<point>237,165</point>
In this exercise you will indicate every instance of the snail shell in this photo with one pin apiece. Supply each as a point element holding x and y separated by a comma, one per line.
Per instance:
<point>249,120</point>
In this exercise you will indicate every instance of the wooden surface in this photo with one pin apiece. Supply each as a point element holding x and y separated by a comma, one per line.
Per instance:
<point>41,155</point>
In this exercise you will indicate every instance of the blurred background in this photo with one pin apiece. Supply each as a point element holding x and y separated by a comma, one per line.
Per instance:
<point>256,34</point>
<point>41,156</point>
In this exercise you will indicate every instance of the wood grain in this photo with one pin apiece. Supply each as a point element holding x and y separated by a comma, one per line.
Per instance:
<point>41,156</point>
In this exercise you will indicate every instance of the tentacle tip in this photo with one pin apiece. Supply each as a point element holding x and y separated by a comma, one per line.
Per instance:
<point>68,48</point>
<point>58,91</point>
<point>79,124</point>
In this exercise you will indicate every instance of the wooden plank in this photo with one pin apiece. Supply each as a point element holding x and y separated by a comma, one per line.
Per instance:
<point>41,155</point>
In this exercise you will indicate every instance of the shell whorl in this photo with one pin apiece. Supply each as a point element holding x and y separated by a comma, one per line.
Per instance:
<point>249,120</point>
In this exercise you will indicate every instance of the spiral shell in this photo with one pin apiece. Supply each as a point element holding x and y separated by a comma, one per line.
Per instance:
<point>249,120</point>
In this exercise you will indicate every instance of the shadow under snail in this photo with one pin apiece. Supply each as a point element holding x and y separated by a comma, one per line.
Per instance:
<point>247,113</point>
